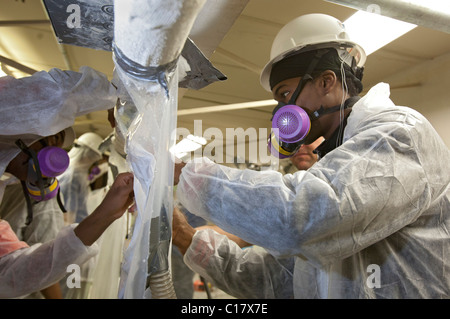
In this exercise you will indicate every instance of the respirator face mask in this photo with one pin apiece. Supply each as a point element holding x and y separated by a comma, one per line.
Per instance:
<point>43,168</point>
<point>52,161</point>
<point>291,124</point>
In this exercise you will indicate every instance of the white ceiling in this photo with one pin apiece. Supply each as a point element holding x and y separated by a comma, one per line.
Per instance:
<point>240,55</point>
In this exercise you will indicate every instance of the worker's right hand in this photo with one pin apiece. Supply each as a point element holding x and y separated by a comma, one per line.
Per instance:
<point>120,196</point>
<point>118,199</point>
<point>177,172</point>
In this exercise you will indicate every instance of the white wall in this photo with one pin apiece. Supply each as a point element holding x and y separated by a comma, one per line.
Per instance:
<point>431,97</point>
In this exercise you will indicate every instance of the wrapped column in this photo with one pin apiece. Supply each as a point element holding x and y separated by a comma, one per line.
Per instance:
<point>149,36</point>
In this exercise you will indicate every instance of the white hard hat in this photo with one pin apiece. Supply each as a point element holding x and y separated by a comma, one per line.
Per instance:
<point>91,140</point>
<point>310,32</point>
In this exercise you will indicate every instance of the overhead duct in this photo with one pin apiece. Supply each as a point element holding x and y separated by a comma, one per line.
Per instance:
<point>422,14</point>
<point>91,25</point>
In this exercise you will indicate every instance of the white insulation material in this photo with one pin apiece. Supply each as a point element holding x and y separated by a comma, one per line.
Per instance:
<point>153,32</point>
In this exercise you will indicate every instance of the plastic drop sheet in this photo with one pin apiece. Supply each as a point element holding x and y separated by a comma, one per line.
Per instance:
<point>149,137</point>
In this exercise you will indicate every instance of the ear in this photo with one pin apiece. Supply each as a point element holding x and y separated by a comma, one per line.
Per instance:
<point>328,81</point>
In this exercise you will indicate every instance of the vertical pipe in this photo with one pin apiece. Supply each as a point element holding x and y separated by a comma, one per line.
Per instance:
<point>149,36</point>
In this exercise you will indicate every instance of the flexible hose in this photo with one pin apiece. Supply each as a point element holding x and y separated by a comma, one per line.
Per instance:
<point>161,285</point>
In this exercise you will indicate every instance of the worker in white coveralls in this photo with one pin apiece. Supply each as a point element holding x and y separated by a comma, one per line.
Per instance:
<point>32,108</point>
<point>370,219</point>
<point>75,180</point>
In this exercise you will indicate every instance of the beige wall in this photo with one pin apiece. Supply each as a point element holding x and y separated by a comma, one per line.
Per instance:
<point>431,97</point>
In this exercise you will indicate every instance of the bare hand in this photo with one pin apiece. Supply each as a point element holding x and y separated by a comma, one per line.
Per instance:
<point>182,232</point>
<point>177,172</point>
<point>120,196</point>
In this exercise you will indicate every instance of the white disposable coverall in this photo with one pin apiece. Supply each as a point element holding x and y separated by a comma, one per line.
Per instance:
<point>41,265</point>
<point>371,219</point>
<point>74,182</point>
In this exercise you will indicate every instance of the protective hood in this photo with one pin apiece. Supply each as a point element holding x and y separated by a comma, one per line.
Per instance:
<point>46,103</point>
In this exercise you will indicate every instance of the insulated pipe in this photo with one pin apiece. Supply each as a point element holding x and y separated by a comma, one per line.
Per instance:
<point>149,36</point>
<point>404,10</point>
<point>153,32</point>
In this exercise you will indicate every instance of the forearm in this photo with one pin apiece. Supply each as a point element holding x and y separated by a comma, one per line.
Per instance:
<point>242,273</point>
<point>116,202</point>
<point>92,227</point>
<point>52,292</point>
<point>241,243</point>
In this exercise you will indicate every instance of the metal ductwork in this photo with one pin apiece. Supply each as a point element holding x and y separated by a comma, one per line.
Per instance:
<point>404,10</point>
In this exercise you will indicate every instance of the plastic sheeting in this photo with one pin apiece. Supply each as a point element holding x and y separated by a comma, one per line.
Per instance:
<point>105,281</point>
<point>149,138</point>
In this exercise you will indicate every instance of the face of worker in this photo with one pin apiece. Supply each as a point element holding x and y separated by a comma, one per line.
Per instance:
<point>324,91</point>
<point>19,165</point>
<point>305,158</point>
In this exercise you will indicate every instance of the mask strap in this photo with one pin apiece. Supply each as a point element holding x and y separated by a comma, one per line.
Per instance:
<point>29,206</point>
<point>322,111</point>
<point>59,200</point>
<point>305,78</point>
<point>31,153</point>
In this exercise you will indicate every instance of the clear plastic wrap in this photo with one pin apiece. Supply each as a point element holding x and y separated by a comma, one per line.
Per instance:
<point>149,137</point>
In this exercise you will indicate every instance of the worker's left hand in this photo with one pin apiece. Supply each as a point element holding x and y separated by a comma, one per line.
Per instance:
<point>182,232</point>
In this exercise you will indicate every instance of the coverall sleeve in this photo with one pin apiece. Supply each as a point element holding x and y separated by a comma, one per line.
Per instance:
<point>248,273</point>
<point>26,270</point>
<point>56,97</point>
